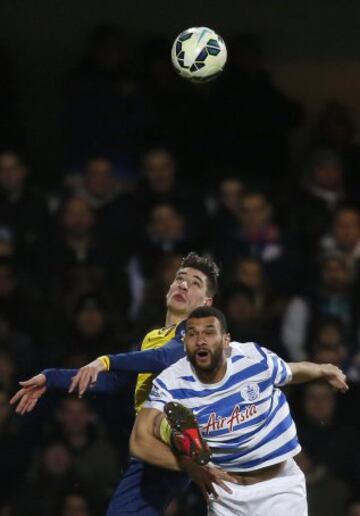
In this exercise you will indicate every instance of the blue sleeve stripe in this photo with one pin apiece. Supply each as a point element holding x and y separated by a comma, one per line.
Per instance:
<point>284,374</point>
<point>275,368</point>
<point>161,384</point>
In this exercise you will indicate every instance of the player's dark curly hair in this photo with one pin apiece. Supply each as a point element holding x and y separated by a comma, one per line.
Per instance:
<point>209,311</point>
<point>207,266</point>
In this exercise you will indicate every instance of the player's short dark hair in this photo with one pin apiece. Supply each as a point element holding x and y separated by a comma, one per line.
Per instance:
<point>209,311</point>
<point>207,266</point>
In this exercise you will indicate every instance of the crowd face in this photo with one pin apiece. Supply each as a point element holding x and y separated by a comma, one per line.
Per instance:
<point>250,273</point>
<point>78,218</point>
<point>231,192</point>
<point>90,321</point>
<point>347,229</point>
<point>99,181</point>
<point>74,416</point>
<point>56,459</point>
<point>255,212</point>
<point>335,275</point>
<point>159,167</point>
<point>75,505</point>
<point>166,224</point>
<point>12,172</point>
<point>188,291</point>
<point>319,403</point>
<point>328,175</point>
<point>205,344</point>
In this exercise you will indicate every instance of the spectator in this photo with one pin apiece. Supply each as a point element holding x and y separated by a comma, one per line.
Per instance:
<point>335,128</point>
<point>327,438</point>
<point>331,296</point>
<point>22,208</point>
<point>320,195</point>
<point>328,346</point>
<point>51,474</point>
<point>344,238</point>
<point>95,463</point>
<point>326,494</point>
<point>166,232</point>
<point>162,184</point>
<point>76,504</point>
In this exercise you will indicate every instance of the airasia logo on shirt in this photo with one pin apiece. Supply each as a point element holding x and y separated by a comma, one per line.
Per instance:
<point>237,417</point>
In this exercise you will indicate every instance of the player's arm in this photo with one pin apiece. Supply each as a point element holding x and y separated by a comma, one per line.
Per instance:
<point>148,361</point>
<point>26,398</point>
<point>146,445</point>
<point>306,371</point>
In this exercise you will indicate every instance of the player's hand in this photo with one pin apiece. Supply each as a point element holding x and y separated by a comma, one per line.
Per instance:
<point>205,477</point>
<point>335,377</point>
<point>86,376</point>
<point>31,391</point>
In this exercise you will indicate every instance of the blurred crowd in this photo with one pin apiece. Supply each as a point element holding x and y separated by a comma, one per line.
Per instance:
<point>155,167</point>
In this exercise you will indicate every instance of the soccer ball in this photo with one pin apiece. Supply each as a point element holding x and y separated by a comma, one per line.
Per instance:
<point>199,54</point>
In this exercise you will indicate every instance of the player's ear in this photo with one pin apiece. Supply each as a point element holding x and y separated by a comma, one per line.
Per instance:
<point>227,339</point>
<point>208,301</point>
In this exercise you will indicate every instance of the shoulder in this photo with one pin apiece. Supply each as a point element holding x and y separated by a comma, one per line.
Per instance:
<point>158,337</point>
<point>247,349</point>
<point>176,372</point>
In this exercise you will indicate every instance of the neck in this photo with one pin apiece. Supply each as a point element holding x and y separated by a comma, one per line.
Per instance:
<point>214,376</point>
<point>174,318</point>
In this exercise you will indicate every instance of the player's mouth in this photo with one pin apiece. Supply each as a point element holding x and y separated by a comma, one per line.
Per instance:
<point>202,355</point>
<point>179,297</point>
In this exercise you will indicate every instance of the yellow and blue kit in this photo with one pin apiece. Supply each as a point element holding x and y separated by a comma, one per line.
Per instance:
<point>144,489</point>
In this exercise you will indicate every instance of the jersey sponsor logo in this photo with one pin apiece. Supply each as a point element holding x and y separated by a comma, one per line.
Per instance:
<point>250,392</point>
<point>237,417</point>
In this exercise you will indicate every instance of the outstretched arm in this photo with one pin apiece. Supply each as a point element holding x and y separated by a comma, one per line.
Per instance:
<point>148,361</point>
<point>307,371</point>
<point>26,398</point>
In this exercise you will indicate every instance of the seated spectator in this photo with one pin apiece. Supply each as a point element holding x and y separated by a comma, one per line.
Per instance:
<point>95,461</point>
<point>50,475</point>
<point>113,206</point>
<point>162,184</point>
<point>17,345</point>
<point>22,208</point>
<point>77,242</point>
<point>166,233</point>
<point>331,295</point>
<point>256,235</point>
<point>244,321</point>
<point>226,205</point>
<point>328,346</point>
<point>335,127</point>
<point>326,437</point>
<point>92,333</point>
<point>270,305</point>
<point>326,494</point>
<point>319,196</point>
<point>344,238</point>
<point>76,504</point>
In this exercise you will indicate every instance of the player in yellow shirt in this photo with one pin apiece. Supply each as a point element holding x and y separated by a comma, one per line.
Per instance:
<point>144,489</point>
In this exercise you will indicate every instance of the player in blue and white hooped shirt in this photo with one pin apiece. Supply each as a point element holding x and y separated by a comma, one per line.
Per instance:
<point>233,390</point>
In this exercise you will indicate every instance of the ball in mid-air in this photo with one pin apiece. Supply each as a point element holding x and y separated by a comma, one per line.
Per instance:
<point>199,54</point>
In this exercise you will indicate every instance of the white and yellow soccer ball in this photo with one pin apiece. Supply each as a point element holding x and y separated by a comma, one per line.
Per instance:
<point>199,54</point>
